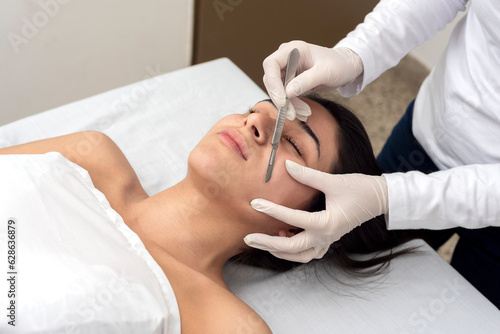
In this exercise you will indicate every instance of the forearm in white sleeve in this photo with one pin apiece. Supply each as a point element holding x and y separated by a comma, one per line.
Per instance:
<point>391,30</point>
<point>466,196</point>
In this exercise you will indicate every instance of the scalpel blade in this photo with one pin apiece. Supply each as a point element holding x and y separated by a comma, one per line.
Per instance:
<point>269,170</point>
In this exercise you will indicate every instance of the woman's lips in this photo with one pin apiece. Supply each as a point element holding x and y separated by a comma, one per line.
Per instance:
<point>235,140</point>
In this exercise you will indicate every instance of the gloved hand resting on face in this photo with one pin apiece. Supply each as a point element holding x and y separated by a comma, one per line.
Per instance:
<point>320,69</point>
<point>351,199</point>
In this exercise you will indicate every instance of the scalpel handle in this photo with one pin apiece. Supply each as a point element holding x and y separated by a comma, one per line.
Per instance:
<point>291,68</point>
<point>280,122</point>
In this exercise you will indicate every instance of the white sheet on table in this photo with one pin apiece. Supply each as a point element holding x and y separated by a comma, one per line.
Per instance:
<point>80,269</point>
<point>421,293</point>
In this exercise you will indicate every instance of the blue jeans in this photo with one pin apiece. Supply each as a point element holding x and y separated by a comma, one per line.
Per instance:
<point>477,254</point>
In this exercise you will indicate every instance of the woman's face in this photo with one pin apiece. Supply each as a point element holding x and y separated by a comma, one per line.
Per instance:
<point>230,162</point>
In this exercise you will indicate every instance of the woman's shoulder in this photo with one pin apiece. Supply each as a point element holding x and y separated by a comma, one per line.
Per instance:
<point>207,306</point>
<point>109,169</point>
<point>234,316</point>
<point>214,309</point>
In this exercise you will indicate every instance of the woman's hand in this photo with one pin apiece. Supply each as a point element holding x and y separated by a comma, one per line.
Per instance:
<point>351,199</point>
<point>320,68</point>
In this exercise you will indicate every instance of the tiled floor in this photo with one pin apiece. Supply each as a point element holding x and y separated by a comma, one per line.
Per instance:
<point>381,105</point>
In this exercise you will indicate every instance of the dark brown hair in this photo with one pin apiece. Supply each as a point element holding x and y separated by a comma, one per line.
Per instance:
<point>355,155</point>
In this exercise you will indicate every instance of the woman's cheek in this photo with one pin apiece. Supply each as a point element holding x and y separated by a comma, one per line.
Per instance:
<point>288,191</point>
<point>229,121</point>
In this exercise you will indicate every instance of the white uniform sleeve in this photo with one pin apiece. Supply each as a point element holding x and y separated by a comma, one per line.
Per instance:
<point>466,196</point>
<point>391,30</point>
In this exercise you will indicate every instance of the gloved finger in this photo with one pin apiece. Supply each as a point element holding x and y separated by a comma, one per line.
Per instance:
<point>285,248</point>
<point>308,176</point>
<point>297,218</point>
<point>273,74</point>
<point>280,56</point>
<point>298,109</point>
<point>276,244</point>
<point>275,90</point>
<point>301,109</point>
<point>302,257</point>
<point>304,82</point>
<point>291,113</point>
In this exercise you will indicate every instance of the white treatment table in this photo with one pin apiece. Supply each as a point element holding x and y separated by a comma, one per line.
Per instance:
<point>156,122</point>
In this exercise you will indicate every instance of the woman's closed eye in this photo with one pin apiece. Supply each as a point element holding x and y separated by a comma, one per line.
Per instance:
<point>294,144</point>
<point>287,138</point>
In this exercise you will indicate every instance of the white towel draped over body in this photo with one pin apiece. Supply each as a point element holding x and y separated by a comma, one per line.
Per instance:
<point>80,269</point>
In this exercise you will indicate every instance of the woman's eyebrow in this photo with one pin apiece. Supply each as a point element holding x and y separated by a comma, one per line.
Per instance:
<point>310,132</point>
<point>303,125</point>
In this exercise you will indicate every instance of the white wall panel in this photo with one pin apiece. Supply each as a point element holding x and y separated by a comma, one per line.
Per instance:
<point>54,52</point>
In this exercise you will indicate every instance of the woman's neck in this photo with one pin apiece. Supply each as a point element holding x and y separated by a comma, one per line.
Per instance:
<point>199,230</point>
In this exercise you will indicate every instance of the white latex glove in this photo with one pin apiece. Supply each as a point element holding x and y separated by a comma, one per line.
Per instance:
<point>351,199</point>
<point>320,68</point>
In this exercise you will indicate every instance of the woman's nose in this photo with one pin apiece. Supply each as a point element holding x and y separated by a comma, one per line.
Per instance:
<point>260,127</point>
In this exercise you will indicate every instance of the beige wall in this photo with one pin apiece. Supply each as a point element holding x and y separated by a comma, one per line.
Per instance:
<point>247,31</point>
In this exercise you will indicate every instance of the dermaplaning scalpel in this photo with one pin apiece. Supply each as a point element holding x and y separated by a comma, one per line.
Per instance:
<point>291,68</point>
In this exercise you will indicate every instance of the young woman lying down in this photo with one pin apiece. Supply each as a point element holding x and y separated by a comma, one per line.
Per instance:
<point>193,228</point>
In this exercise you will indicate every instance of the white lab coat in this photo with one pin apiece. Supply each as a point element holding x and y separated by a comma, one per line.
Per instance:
<point>456,113</point>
